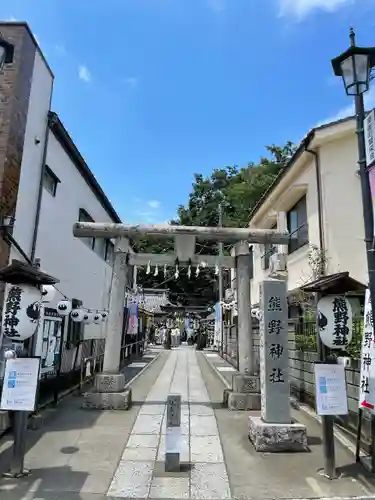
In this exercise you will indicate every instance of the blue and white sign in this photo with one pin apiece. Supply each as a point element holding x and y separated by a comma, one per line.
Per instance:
<point>20,384</point>
<point>330,384</point>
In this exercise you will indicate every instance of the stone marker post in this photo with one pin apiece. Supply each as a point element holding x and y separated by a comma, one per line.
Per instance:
<point>274,430</point>
<point>109,388</point>
<point>173,433</point>
<point>245,393</point>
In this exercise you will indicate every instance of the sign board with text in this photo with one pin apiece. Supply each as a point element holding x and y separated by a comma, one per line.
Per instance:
<point>20,384</point>
<point>330,386</point>
<point>367,378</point>
<point>369,130</point>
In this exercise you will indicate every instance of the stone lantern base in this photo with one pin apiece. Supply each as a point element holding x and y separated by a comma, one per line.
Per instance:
<point>272,438</point>
<point>109,393</point>
<point>245,393</point>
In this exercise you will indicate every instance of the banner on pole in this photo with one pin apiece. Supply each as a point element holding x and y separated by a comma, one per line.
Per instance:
<point>367,378</point>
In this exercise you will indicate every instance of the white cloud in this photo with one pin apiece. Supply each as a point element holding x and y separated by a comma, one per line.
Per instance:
<point>60,49</point>
<point>348,110</point>
<point>84,73</point>
<point>301,8</point>
<point>154,204</point>
<point>11,19</point>
<point>132,81</point>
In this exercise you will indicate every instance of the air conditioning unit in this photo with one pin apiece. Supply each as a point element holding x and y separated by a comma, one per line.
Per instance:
<point>277,263</point>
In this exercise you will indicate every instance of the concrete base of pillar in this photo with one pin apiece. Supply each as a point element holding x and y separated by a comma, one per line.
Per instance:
<point>273,438</point>
<point>4,421</point>
<point>109,393</point>
<point>243,401</point>
<point>242,382</point>
<point>35,422</point>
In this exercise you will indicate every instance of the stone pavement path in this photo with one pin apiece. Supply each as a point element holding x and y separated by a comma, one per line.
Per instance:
<point>140,473</point>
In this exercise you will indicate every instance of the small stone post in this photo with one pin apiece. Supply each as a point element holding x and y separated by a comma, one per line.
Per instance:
<point>245,394</point>
<point>274,431</point>
<point>173,433</point>
<point>109,387</point>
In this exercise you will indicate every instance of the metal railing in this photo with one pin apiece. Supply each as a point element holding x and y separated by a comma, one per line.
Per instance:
<point>127,350</point>
<point>88,369</point>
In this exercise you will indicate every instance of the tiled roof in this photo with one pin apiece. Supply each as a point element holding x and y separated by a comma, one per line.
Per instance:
<point>154,299</point>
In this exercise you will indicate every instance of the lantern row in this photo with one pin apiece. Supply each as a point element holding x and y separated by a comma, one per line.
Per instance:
<point>80,314</point>
<point>65,308</point>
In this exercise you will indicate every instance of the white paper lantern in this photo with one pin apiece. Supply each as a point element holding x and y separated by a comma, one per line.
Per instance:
<point>77,315</point>
<point>21,313</point>
<point>88,317</point>
<point>48,293</point>
<point>335,319</point>
<point>98,318</point>
<point>64,307</point>
<point>104,315</point>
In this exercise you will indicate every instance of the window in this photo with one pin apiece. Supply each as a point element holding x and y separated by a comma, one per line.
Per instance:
<point>50,181</point>
<point>298,225</point>
<point>269,249</point>
<point>105,249</point>
<point>85,217</point>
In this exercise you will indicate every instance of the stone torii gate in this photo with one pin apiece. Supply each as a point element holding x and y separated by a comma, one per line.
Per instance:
<point>110,390</point>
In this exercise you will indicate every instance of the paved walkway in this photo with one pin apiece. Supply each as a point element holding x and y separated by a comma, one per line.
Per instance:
<point>92,455</point>
<point>140,473</point>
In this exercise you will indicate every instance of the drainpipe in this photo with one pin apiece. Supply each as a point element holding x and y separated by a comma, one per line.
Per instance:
<point>319,194</point>
<point>40,191</point>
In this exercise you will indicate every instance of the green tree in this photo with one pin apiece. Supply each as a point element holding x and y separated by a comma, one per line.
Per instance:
<point>239,190</point>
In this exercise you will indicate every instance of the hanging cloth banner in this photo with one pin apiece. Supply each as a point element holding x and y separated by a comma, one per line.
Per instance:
<point>133,319</point>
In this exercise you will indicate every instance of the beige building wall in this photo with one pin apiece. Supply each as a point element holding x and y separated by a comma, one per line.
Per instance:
<point>341,207</point>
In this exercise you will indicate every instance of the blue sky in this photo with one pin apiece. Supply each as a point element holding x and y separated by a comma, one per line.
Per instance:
<point>153,91</point>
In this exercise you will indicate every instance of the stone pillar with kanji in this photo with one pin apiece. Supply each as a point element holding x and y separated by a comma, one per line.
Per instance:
<point>275,430</point>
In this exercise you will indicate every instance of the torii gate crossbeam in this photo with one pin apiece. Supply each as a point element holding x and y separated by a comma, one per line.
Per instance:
<point>185,237</point>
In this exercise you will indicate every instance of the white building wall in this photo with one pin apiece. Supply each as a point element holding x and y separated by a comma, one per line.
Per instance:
<point>342,203</point>
<point>342,214</point>
<point>39,105</point>
<point>82,273</point>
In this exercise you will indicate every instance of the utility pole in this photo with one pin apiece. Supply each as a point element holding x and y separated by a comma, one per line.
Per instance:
<point>221,280</point>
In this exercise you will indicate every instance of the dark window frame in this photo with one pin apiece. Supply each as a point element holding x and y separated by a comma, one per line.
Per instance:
<point>107,251</point>
<point>48,173</point>
<point>299,226</point>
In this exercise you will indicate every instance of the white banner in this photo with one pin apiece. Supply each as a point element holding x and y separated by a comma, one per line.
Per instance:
<point>369,129</point>
<point>367,378</point>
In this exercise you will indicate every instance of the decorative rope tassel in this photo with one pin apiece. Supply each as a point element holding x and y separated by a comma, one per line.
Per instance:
<point>197,271</point>
<point>177,273</point>
<point>216,269</point>
<point>189,272</point>
<point>148,270</point>
<point>165,270</point>
<point>156,271</point>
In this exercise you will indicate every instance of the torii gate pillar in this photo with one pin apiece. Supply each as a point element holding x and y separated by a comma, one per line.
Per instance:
<point>109,386</point>
<point>245,393</point>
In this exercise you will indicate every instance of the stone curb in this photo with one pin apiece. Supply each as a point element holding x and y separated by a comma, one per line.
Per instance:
<point>339,435</point>
<point>214,369</point>
<point>136,377</point>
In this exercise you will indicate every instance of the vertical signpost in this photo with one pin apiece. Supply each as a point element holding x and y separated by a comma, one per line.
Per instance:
<point>274,430</point>
<point>366,398</point>
<point>173,433</point>
<point>19,395</point>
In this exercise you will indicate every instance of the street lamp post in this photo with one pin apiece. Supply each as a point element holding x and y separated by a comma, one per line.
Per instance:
<point>6,52</point>
<point>354,66</point>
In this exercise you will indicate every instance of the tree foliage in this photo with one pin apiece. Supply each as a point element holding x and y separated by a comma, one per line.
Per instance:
<point>238,190</point>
